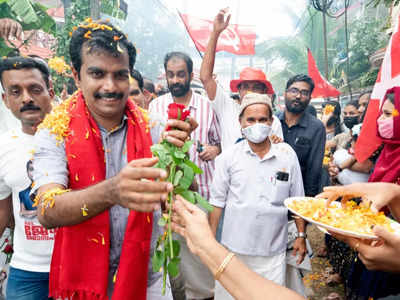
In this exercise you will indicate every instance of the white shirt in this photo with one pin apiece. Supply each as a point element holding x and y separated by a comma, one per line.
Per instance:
<point>255,221</point>
<point>208,132</point>
<point>227,111</point>
<point>33,244</point>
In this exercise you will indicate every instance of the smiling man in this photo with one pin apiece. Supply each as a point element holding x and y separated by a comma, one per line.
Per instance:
<point>28,95</point>
<point>92,156</point>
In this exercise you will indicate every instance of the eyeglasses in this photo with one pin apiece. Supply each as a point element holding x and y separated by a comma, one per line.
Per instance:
<point>295,92</point>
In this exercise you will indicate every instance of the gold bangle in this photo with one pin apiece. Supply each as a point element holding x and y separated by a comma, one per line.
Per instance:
<point>223,265</point>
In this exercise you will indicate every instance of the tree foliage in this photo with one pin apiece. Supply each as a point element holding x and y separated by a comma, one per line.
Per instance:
<point>29,14</point>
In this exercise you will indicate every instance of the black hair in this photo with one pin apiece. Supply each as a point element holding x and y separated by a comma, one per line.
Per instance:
<point>109,39</point>
<point>138,77</point>
<point>353,103</point>
<point>390,97</point>
<point>19,63</point>
<point>301,77</point>
<point>186,58</point>
<point>148,85</point>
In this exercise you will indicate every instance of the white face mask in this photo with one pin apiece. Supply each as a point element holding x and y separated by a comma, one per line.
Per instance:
<point>257,133</point>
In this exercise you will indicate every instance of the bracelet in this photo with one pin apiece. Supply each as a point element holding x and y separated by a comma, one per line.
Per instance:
<point>223,265</point>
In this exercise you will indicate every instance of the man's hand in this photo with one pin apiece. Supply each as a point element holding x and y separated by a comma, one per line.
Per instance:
<point>209,153</point>
<point>333,170</point>
<point>181,131</point>
<point>220,23</point>
<point>299,247</point>
<point>10,29</point>
<point>382,255</point>
<point>275,139</point>
<point>137,186</point>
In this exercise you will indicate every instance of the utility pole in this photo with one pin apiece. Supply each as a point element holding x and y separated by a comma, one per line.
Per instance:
<point>323,6</point>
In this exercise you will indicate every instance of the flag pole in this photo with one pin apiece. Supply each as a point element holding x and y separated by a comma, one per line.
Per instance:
<point>187,30</point>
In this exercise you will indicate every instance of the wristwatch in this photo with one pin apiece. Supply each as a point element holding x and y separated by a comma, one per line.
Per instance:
<point>301,235</point>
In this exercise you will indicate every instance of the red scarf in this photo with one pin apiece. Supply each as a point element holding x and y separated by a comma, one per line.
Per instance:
<point>80,262</point>
<point>387,168</point>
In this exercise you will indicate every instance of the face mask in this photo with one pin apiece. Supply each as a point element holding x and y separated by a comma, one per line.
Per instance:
<point>385,128</point>
<point>256,133</point>
<point>350,121</point>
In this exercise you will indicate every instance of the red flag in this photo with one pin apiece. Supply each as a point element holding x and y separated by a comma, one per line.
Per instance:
<point>323,88</point>
<point>388,77</point>
<point>236,39</point>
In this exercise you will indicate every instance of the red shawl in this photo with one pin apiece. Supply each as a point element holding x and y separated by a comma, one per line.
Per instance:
<point>387,168</point>
<point>80,262</point>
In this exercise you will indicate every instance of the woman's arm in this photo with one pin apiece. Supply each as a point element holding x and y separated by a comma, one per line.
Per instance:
<point>237,278</point>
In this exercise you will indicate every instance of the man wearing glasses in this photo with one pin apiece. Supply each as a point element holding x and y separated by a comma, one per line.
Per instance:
<point>304,132</point>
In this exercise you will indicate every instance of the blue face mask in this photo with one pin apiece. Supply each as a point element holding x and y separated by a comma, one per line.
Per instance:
<point>257,133</point>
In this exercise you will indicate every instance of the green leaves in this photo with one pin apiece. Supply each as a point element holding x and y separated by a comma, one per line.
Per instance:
<point>157,260</point>
<point>188,176</point>
<point>203,202</point>
<point>186,146</point>
<point>173,267</point>
<point>181,173</point>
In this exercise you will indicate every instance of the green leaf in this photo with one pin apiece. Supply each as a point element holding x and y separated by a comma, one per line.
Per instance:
<point>178,177</point>
<point>194,167</point>
<point>176,248</point>
<point>157,260</point>
<point>188,176</point>
<point>203,202</point>
<point>162,222</point>
<point>173,267</point>
<point>188,195</point>
<point>186,146</point>
<point>179,154</point>
<point>24,10</point>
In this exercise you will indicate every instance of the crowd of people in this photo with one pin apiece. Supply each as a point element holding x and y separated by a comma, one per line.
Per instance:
<point>79,186</point>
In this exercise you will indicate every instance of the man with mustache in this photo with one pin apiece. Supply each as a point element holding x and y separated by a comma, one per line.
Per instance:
<point>27,94</point>
<point>304,132</point>
<point>95,179</point>
<point>178,66</point>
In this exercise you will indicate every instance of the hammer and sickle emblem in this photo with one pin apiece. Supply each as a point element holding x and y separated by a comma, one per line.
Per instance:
<point>231,37</point>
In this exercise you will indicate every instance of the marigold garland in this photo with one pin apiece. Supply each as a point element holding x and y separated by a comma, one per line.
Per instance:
<point>57,121</point>
<point>46,199</point>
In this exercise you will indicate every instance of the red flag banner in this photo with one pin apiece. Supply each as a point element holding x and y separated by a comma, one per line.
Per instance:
<point>323,88</point>
<point>388,77</point>
<point>236,39</point>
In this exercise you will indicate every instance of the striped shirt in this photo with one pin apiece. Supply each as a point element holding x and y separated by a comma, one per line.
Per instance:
<point>208,132</point>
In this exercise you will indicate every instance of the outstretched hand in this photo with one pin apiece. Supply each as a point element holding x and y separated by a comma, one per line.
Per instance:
<point>378,194</point>
<point>379,255</point>
<point>10,29</point>
<point>220,22</point>
<point>191,222</point>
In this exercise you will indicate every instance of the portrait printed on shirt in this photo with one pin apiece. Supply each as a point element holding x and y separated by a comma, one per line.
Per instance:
<point>27,210</point>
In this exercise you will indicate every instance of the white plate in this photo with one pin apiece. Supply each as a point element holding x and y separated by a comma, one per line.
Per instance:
<point>324,228</point>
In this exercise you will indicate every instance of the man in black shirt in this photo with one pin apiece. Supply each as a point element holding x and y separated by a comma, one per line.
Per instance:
<point>304,132</point>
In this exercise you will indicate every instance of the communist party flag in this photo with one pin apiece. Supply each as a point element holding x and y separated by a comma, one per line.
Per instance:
<point>388,77</point>
<point>236,39</point>
<point>323,89</point>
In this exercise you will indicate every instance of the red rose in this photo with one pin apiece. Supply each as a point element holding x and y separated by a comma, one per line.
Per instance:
<point>8,249</point>
<point>177,111</point>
